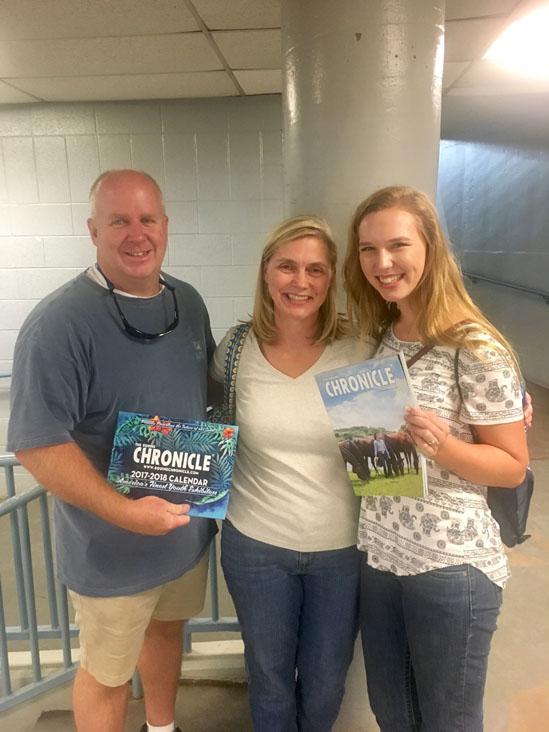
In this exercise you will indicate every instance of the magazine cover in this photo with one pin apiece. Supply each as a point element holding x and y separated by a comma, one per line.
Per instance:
<point>365,403</point>
<point>178,460</point>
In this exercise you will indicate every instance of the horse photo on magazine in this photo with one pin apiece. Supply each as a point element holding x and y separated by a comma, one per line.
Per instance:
<point>365,404</point>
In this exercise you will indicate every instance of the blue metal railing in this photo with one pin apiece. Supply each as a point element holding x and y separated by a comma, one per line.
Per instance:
<point>16,507</point>
<point>214,623</point>
<point>520,288</point>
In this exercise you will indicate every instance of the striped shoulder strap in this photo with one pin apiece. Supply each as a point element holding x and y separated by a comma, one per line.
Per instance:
<point>232,360</point>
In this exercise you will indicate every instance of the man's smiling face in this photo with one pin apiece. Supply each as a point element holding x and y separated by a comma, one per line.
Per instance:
<point>129,227</point>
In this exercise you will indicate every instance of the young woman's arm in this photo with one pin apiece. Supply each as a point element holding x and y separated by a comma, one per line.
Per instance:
<point>499,458</point>
<point>528,410</point>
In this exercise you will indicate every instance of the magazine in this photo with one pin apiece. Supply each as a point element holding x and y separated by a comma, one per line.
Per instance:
<point>179,460</point>
<point>365,403</point>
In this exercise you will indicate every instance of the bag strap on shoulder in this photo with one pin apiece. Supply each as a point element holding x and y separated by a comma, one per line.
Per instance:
<point>425,349</point>
<point>456,375</point>
<point>418,355</point>
<point>232,360</point>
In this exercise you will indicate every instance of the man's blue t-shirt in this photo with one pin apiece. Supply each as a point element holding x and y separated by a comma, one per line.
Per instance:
<point>75,368</point>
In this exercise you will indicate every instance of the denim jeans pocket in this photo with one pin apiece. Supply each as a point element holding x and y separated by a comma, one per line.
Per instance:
<point>457,572</point>
<point>499,595</point>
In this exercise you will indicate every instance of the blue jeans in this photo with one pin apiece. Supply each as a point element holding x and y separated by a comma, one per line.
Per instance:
<point>383,458</point>
<point>426,640</point>
<point>299,617</point>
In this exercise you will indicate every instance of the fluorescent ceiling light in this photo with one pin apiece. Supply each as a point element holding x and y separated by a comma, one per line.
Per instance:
<point>523,48</point>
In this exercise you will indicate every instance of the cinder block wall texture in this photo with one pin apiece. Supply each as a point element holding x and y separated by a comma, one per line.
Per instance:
<point>218,162</point>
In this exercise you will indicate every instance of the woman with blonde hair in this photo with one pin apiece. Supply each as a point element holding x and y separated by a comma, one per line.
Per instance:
<point>289,541</point>
<point>434,567</point>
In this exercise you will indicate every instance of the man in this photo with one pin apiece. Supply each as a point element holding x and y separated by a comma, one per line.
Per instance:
<point>381,455</point>
<point>120,336</point>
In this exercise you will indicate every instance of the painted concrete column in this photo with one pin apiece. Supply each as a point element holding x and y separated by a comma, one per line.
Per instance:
<point>361,100</point>
<point>361,97</point>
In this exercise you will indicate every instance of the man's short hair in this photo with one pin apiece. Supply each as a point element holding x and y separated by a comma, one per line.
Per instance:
<point>116,172</point>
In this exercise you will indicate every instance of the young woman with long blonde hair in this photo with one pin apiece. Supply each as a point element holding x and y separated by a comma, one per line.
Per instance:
<point>434,567</point>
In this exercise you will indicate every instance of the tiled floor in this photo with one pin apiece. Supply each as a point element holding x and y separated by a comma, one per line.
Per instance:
<point>201,708</point>
<point>517,697</point>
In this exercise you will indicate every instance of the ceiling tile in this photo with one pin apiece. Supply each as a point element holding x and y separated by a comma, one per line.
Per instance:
<point>10,95</point>
<point>250,49</point>
<point>29,19</point>
<point>456,9</point>
<point>239,14</point>
<point>260,82</point>
<point>145,86</point>
<point>97,56</point>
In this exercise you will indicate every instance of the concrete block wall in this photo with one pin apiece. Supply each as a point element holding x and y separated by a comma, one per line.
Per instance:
<point>218,162</point>
<point>493,198</point>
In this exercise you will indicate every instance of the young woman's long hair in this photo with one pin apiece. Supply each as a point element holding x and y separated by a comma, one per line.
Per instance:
<point>440,298</point>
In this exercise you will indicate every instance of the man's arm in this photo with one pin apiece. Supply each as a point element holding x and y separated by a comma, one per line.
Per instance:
<point>66,472</point>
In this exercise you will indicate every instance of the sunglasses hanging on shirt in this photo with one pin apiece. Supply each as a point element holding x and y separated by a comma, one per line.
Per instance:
<point>132,330</point>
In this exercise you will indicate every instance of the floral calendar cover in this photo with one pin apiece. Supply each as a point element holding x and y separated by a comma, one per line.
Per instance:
<point>179,460</point>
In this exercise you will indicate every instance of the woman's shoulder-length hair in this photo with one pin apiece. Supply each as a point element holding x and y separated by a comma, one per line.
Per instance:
<point>330,325</point>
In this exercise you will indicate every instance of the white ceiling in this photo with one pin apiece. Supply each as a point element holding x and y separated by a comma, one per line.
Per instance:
<point>97,50</point>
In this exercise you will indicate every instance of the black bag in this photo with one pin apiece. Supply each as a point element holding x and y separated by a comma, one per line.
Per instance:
<point>509,506</point>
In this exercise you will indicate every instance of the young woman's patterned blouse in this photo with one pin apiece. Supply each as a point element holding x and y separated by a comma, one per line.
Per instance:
<point>453,524</point>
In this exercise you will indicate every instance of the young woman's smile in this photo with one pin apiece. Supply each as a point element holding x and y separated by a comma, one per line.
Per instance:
<point>392,253</point>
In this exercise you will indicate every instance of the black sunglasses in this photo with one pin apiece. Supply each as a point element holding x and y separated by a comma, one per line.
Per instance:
<point>135,332</point>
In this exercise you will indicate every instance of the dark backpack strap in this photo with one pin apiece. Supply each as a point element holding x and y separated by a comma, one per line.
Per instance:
<point>458,386</point>
<point>418,355</point>
<point>456,376</point>
<point>425,349</point>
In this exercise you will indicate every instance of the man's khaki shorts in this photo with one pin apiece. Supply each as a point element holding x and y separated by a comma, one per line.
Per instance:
<point>112,629</point>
